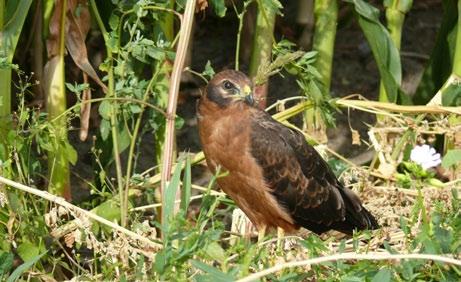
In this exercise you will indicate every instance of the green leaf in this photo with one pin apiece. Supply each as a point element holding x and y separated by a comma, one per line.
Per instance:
<point>451,158</point>
<point>28,251</point>
<point>219,7</point>
<point>114,21</point>
<point>209,71</point>
<point>15,15</point>
<point>440,65</point>
<point>71,153</point>
<point>23,267</point>
<point>215,251</point>
<point>104,127</point>
<point>105,109</point>
<point>124,139</point>
<point>384,275</point>
<point>384,51</point>
<point>213,272</point>
<point>6,263</point>
<point>169,196</point>
<point>451,96</point>
<point>187,184</point>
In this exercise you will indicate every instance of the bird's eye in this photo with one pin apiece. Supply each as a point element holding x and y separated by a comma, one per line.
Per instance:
<point>228,85</point>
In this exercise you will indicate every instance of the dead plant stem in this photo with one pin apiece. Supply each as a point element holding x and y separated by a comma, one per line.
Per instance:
<point>375,256</point>
<point>186,27</point>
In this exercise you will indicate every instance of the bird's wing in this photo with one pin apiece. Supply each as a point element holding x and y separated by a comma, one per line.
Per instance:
<point>301,180</point>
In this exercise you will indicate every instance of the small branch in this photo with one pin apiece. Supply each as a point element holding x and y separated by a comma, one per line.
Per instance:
<point>60,201</point>
<point>430,109</point>
<point>349,256</point>
<point>186,27</point>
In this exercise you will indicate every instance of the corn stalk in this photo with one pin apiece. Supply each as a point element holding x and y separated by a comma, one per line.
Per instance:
<point>326,16</point>
<point>262,45</point>
<point>12,17</point>
<point>58,158</point>
<point>395,16</point>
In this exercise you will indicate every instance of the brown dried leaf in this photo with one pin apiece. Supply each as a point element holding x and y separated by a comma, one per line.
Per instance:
<point>85,111</point>
<point>69,240</point>
<point>77,29</point>
<point>52,43</point>
<point>355,137</point>
<point>201,5</point>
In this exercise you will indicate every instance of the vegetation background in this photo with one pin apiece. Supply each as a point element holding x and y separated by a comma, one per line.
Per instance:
<point>101,174</point>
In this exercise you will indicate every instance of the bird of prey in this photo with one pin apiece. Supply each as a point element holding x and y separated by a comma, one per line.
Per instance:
<point>273,174</point>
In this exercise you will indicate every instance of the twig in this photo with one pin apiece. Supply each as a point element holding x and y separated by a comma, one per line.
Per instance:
<point>60,201</point>
<point>430,109</point>
<point>186,27</point>
<point>349,256</point>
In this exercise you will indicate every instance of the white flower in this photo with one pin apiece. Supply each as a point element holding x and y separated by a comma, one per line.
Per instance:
<point>426,156</point>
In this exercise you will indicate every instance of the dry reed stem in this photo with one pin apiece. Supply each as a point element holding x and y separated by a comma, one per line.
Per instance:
<point>168,150</point>
<point>432,109</point>
<point>60,201</point>
<point>349,256</point>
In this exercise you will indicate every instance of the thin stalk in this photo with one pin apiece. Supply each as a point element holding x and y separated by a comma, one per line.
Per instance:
<point>113,116</point>
<point>395,17</point>
<point>178,66</point>
<point>262,46</point>
<point>134,137</point>
<point>240,16</point>
<point>58,164</point>
<point>326,17</point>
<point>457,57</point>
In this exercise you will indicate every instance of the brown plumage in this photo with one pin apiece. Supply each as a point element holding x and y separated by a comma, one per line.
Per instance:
<point>274,176</point>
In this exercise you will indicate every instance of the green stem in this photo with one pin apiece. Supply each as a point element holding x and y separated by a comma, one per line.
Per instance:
<point>5,97</point>
<point>113,116</point>
<point>58,164</point>
<point>326,14</point>
<point>240,16</point>
<point>5,82</point>
<point>395,19</point>
<point>134,138</point>
<point>263,38</point>
<point>457,57</point>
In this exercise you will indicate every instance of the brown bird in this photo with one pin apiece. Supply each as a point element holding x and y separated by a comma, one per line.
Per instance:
<point>274,175</point>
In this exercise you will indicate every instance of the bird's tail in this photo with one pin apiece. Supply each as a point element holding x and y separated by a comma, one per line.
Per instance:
<point>357,217</point>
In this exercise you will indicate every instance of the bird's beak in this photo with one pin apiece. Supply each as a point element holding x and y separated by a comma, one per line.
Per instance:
<point>248,95</point>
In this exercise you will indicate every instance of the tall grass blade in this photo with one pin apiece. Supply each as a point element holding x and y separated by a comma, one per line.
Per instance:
<point>187,185</point>
<point>169,197</point>
<point>384,50</point>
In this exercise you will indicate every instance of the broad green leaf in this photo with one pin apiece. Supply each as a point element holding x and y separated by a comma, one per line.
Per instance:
<point>169,196</point>
<point>384,275</point>
<point>15,15</point>
<point>219,7</point>
<point>105,109</point>
<point>451,158</point>
<point>23,267</point>
<point>440,65</point>
<point>6,263</point>
<point>384,51</point>
<point>28,251</point>
<point>215,274</point>
<point>104,127</point>
<point>215,251</point>
<point>452,95</point>
<point>124,139</point>
<point>71,153</point>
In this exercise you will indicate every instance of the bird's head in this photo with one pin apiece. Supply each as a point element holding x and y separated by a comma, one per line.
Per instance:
<point>228,87</point>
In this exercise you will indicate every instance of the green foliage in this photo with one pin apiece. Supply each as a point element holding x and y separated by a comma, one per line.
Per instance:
<point>384,51</point>
<point>451,158</point>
